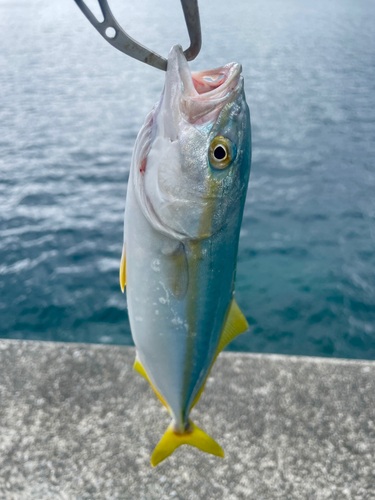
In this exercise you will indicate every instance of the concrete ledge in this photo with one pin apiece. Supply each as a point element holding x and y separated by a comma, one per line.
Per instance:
<point>78,423</point>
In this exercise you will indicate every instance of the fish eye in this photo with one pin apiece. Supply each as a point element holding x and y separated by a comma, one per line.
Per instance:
<point>221,152</point>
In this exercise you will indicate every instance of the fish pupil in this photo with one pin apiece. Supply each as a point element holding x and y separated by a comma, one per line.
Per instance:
<point>220,153</point>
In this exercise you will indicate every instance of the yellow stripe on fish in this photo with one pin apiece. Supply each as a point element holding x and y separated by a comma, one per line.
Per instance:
<point>205,229</point>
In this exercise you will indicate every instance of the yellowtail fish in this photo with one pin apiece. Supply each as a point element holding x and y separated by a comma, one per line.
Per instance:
<point>184,206</point>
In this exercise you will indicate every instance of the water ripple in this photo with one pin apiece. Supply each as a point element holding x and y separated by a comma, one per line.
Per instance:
<point>71,107</point>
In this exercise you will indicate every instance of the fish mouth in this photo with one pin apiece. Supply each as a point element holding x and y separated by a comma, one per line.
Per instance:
<point>202,94</point>
<point>216,83</point>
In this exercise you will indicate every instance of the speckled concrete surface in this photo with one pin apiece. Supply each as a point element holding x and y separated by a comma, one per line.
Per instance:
<point>78,423</point>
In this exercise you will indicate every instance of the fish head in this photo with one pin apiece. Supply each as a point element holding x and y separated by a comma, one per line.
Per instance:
<point>194,179</point>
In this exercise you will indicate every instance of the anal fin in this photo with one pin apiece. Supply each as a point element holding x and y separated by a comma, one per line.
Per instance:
<point>138,367</point>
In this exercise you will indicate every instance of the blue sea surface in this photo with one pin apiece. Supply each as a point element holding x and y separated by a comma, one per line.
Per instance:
<point>71,107</point>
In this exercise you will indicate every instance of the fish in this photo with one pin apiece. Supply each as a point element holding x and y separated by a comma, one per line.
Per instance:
<point>184,206</point>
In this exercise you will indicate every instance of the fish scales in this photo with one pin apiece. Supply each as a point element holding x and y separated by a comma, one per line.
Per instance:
<point>184,206</point>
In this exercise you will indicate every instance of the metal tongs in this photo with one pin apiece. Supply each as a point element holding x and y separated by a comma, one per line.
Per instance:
<point>123,42</point>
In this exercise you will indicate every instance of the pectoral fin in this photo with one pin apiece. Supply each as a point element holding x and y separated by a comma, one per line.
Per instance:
<point>176,270</point>
<point>193,436</point>
<point>235,325</point>
<point>123,270</point>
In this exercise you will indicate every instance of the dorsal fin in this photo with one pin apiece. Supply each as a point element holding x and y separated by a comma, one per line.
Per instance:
<point>123,270</point>
<point>235,324</point>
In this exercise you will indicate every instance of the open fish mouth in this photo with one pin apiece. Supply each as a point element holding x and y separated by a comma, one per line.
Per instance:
<point>200,95</point>
<point>218,82</point>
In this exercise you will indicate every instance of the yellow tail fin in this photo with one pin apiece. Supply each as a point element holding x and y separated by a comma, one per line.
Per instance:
<point>194,436</point>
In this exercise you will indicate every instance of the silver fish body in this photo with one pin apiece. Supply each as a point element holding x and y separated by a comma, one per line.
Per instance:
<point>185,200</point>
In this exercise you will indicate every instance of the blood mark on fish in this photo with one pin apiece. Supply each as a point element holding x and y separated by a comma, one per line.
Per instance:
<point>143,165</point>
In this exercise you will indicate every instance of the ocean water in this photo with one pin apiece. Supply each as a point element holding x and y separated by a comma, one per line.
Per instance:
<point>71,107</point>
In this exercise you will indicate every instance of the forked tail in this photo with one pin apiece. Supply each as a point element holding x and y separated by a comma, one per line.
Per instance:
<point>193,436</point>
